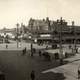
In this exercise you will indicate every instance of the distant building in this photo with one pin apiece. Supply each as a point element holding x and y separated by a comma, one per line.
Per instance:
<point>5,30</point>
<point>47,27</point>
<point>37,24</point>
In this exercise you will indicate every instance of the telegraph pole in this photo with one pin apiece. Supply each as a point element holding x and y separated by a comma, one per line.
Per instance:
<point>60,39</point>
<point>17,33</point>
<point>74,29</point>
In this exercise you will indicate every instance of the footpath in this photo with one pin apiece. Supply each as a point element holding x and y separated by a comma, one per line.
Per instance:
<point>69,70</point>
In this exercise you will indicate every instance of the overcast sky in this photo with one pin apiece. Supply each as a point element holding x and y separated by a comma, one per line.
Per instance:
<point>13,11</point>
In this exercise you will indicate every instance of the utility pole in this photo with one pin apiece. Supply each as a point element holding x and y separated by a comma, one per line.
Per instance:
<point>17,33</point>
<point>60,41</point>
<point>74,30</point>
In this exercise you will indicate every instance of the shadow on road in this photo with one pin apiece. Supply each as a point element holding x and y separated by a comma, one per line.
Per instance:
<point>75,60</point>
<point>52,76</point>
<point>71,61</point>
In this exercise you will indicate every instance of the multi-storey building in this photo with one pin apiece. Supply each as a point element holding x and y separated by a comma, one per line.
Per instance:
<point>54,28</point>
<point>35,24</point>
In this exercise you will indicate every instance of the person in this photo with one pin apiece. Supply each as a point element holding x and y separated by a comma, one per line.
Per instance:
<point>6,46</point>
<point>76,50</point>
<point>24,51</point>
<point>39,53</point>
<point>32,75</point>
<point>78,73</point>
<point>32,50</point>
<point>69,46</point>
<point>61,61</point>
<point>31,46</point>
<point>47,47</point>
<point>2,76</point>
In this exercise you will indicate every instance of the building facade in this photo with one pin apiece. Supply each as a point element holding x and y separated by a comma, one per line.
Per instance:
<point>54,28</point>
<point>39,25</point>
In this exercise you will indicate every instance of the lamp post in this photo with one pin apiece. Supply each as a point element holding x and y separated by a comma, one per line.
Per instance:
<point>17,33</point>
<point>60,39</point>
<point>74,30</point>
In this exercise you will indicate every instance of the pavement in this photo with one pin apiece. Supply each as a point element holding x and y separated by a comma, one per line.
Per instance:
<point>13,46</point>
<point>69,70</point>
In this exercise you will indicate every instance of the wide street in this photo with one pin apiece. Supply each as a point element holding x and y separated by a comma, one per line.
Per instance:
<point>18,67</point>
<point>15,65</point>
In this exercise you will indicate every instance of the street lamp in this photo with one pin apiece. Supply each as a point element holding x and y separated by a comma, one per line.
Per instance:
<point>60,39</point>
<point>17,33</point>
<point>74,30</point>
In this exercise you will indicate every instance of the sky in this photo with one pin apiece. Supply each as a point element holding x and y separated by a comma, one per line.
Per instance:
<point>20,11</point>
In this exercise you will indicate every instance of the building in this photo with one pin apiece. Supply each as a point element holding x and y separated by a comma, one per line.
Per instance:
<point>54,28</point>
<point>39,25</point>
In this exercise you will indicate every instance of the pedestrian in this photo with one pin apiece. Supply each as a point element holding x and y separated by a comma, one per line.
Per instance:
<point>76,50</point>
<point>47,47</point>
<point>61,61</point>
<point>31,46</point>
<point>32,50</point>
<point>6,46</point>
<point>24,51</point>
<point>39,52</point>
<point>33,75</point>
<point>78,73</point>
<point>69,46</point>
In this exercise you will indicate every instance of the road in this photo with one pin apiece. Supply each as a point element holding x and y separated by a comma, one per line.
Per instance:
<point>14,65</point>
<point>18,67</point>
